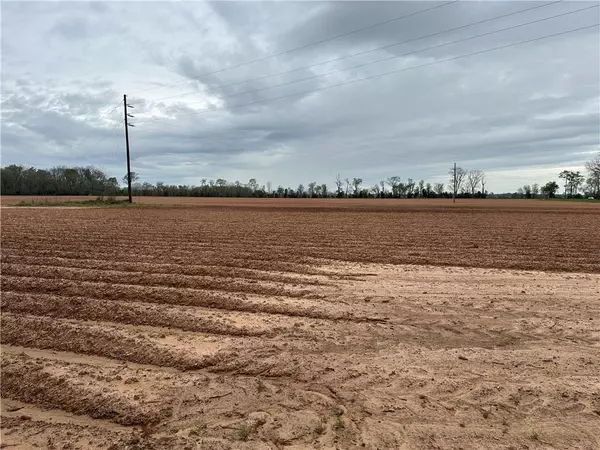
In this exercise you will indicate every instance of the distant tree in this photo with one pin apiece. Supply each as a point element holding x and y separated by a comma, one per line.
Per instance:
<point>549,189</point>
<point>356,182</point>
<point>252,184</point>
<point>382,190</point>
<point>347,187</point>
<point>134,178</point>
<point>592,186</point>
<point>535,190</point>
<point>324,192</point>
<point>527,191</point>
<point>457,179</point>
<point>394,183</point>
<point>311,188</point>
<point>421,188</point>
<point>483,182</point>
<point>408,188</point>
<point>300,191</point>
<point>573,182</point>
<point>439,189</point>
<point>339,183</point>
<point>375,190</point>
<point>473,179</point>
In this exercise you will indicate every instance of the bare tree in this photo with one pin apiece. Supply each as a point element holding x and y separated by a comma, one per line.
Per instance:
<point>474,177</point>
<point>483,181</point>
<point>421,188</point>
<point>438,188</point>
<point>376,190</point>
<point>339,184</point>
<point>382,183</point>
<point>457,178</point>
<point>593,181</point>
<point>347,187</point>
<point>252,184</point>
<point>409,186</point>
<point>394,183</point>
<point>356,182</point>
<point>311,188</point>
<point>317,190</point>
<point>535,190</point>
<point>324,190</point>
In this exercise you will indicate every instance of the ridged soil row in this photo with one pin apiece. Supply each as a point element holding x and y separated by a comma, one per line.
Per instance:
<point>168,295</point>
<point>99,339</point>
<point>131,313</point>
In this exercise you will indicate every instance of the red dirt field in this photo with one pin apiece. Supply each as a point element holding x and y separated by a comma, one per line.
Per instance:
<point>335,203</point>
<point>300,324</point>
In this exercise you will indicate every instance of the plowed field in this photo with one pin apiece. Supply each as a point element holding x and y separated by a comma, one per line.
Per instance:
<point>266,325</point>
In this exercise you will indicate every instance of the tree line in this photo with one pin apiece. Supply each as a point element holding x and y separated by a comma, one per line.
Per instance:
<point>576,184</point>
<point>462,183</point>
<point>18,180</point>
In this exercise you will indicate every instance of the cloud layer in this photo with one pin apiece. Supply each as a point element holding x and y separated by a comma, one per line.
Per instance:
<point>522,113</point>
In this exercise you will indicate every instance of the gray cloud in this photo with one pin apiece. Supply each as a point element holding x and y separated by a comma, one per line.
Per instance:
<point>520,113</point>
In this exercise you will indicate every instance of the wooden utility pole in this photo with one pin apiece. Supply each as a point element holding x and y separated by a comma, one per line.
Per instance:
<point>453,182</point>
<point>127,146</point>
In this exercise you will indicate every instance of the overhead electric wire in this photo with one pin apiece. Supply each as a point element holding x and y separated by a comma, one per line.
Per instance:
<point>393,57</point>
<point>514,44</point>
<point>360,53</point>
<point>264,58</point>
<point>79,144</point>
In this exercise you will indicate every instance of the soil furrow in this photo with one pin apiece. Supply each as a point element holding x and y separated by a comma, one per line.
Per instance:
<point>166,295</point>
<point>158,268</point>
<point>151,280</point>
<point>26,380</point>
<point>156,315</point>
<point>109,342</point>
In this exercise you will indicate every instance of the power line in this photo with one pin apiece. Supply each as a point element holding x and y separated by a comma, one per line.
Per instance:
<point>395,56</point>
<point>514,44</point>
<point>362,52</point>
<point>76,145</point>
<point>395,19</point>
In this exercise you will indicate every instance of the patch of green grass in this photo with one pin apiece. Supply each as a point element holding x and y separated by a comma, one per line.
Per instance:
<point>243,431</point>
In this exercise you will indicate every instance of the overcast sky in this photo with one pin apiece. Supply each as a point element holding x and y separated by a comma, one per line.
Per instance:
<point>522,114</point>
